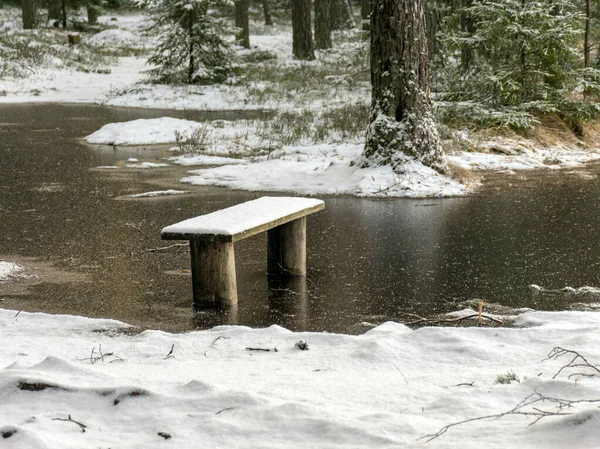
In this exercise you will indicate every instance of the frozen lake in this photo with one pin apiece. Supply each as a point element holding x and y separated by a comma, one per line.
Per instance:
<point>368,260</point>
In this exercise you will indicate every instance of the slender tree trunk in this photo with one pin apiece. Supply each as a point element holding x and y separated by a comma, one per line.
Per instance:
<point>63,11</point>
<point>467,26</point>
<point>92,14</point>
<point>267,12</point>
<point>365,13</point>
<point>402,124</point>
<point>242,22</point>
<point>587,56</point>
<point>524,67</point>
<point>302,44</point>
<point>341,15</point>
<point>191,62</point>
<point>29,14</point>
<point>54,10</point>
<point>322,25</point>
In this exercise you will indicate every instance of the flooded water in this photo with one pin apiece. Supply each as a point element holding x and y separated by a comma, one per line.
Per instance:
<point>369,260</point>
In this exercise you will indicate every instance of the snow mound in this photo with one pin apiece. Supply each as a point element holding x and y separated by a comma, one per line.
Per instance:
<point>141,131</point>
<point>386,388</point>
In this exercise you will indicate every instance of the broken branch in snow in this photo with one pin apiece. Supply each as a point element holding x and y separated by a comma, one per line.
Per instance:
<point>169,356</point>
<point>224,410</point>
<point>524,408</point>
<point>262,349</point>
<point>578,361</point>
<point>69,419</point>
<point>100,356</point>
<point>164,248</point>
<point>456,321</point>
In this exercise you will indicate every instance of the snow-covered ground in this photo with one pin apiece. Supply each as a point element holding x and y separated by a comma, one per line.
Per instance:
<point>86,384</point>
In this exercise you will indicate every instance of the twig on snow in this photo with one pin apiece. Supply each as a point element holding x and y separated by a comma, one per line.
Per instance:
<point>521,409</point>
<point>69,419</point>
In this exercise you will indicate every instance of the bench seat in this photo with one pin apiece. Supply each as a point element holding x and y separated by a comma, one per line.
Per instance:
<point>211,238</point>
<point>243,220</point>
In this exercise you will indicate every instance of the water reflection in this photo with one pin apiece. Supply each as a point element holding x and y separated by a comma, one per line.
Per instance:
<point>368,260</point>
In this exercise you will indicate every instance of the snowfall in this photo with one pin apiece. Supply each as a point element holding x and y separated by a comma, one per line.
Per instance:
<point>75,382</point>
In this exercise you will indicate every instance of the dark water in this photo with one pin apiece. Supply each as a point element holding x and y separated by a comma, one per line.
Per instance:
<point>369,260</point>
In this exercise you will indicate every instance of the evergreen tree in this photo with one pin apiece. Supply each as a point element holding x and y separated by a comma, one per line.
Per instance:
<point>515,58</point>
<point>191,46</point>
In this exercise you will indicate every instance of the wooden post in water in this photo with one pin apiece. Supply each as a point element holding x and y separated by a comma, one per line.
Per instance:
<point>213,273</point>
<point>286,248</point>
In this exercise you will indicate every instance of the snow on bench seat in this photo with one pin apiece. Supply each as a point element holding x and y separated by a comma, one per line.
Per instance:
<point>243,220</point>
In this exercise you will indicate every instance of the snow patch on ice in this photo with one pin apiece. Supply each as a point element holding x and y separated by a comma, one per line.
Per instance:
<point>9,270</point>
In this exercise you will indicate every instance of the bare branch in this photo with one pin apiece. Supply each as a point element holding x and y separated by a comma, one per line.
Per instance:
<point>69,419</point>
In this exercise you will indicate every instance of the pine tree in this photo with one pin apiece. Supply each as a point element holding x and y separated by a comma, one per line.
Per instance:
<point>191,46</point>
<point>513,59</point>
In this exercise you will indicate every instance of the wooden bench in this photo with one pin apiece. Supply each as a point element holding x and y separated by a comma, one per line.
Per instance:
<point>212,236</point>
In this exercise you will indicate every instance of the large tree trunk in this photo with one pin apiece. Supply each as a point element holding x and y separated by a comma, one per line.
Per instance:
<point>340,15</point>
<point>322,25</point>
<point>302,44</point>
<point>402,124</point>
<point>242,23</point>
<point>29,14</point>
<point>267,12</point>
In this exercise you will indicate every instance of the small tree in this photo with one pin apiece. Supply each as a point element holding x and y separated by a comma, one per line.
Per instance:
<point>191,46</point>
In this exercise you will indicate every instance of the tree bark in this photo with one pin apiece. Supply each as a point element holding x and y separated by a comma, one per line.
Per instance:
<point>242,23</point>
<point>302,44</point>
<point>402,125</point>
<point>29,14</point>
<point>340,15</point>
<point>322,25</point>
<point>267,12</point>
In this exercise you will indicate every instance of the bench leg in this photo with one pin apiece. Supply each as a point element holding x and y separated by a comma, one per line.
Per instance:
<point>213,274</point>
<point>286,254</point>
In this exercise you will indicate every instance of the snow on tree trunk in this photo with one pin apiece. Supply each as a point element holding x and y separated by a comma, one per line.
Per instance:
<point>29,14</point>
<point>322,24</point>
<point>302,44</point>
<point>402,124</point>
<point>242,23</point>
<point>267,12</point>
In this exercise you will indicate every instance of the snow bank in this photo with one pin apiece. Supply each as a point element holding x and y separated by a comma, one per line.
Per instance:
<point>141,132</point>
<point>386,388</point>
<point>327,169</point>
